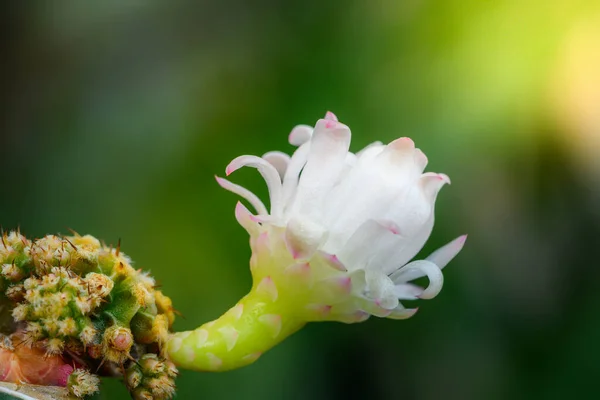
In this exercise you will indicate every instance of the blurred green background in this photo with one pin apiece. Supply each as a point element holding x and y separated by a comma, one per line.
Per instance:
<point>116,115</point>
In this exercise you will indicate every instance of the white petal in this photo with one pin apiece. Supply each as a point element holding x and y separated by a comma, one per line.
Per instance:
<point>402,313</point>
<point>370,150</point>
<point>268,172</point>
<point>303,237</point>
<point>330,260</point>
<point>300,135</point>
<point>244,193</point>
<point>431,183</point>
<point>382,289</point>
<point>279,160</point>
<point>245,218</point>
<point>416,217</point>
<point>399,155</point>
<point>407,291</point>
<point>368,240</point>
<point>370,147</point>
<point>420,160</point>
<point>382,187</point>
<point>442,256</point>
<point>328,150</point>
<point>421,267</point>
<point>410,210</point>
<point>292,174</point>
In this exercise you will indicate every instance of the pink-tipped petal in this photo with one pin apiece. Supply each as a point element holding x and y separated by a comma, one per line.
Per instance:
<point>244,193</point>
<point>398,160</point>
<point>431,183</point>
<point>245,218</point>
<point>326,161</point>
<point>402,144</point>
<point>332,261</point>
<point>331,116</point>
<point>442,256</point>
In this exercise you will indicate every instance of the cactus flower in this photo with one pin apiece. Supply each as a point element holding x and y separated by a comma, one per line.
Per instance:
<point>335,245</point>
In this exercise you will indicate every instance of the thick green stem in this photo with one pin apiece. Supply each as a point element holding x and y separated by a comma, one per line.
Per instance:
<point>239,337</point>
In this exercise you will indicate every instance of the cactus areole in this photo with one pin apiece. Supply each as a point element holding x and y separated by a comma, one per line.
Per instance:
<point>336,245</point>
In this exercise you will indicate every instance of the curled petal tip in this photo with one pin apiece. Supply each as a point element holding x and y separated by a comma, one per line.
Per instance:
<point>432,182</point>
<point>462,239</point>
<point>331,116</point>
<point>300,135</point>
<point>445,178</point>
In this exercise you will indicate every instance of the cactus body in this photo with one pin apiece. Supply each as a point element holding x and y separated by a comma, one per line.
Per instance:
<point>81,302</point>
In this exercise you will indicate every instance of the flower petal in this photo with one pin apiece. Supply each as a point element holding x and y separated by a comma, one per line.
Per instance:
<point>331,116</point>
<point>370,239</point>
<point>421,267</point>
<point>442,256</point>
<point>328,150</point>
<point>402,313</point>
<point>292,174</point>
<point>244,193</point>
<point>431,183</point>
<point>420,160</point>
<point>245,218</point>
<point>303,237</point>
<point>407,291</point>
<point>300,135</point>
<point>270,175</point>
<point>370,151</point>
<point>279,160</point>
<point>381,289</point>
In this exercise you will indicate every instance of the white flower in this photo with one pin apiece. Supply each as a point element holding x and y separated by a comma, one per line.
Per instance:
<point>366,214</point>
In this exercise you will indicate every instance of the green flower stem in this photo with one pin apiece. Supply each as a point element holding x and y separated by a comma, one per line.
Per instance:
<point>238,338</point>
